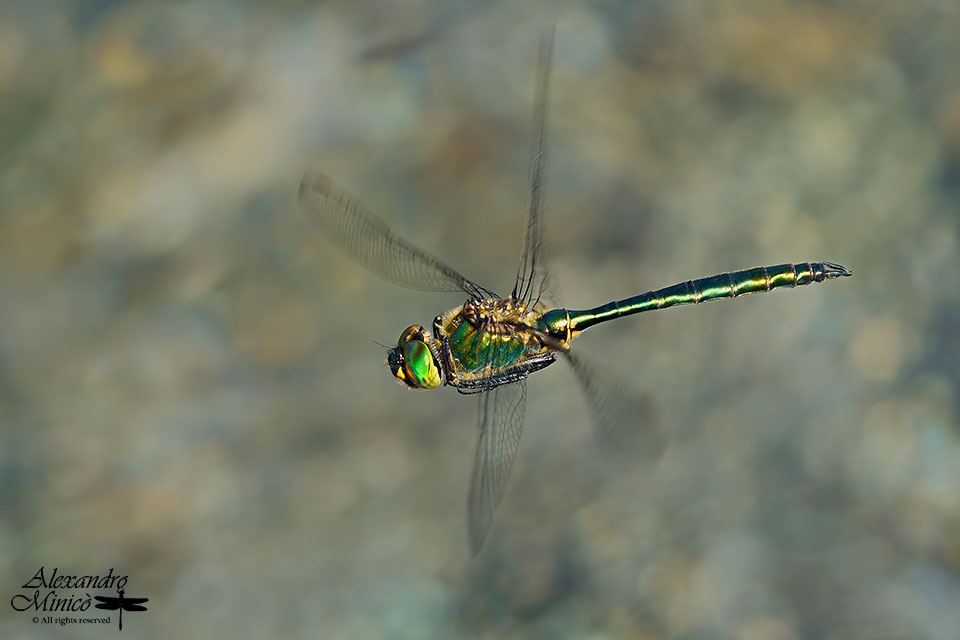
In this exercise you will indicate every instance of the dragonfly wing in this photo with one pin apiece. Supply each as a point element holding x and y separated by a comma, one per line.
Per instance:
<point>532,280</point>
<point>500,417</point>
<point>624,418</point>
<point>133,607</point>
<point>370,241</point>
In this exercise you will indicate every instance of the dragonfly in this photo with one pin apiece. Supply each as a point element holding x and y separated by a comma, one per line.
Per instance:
<point>489,345</point>
<point>123,604</point>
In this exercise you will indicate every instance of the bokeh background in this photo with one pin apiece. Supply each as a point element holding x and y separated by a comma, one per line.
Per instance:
<point>190,388</point>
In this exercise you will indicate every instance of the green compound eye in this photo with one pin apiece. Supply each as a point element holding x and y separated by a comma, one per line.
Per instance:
<point>419,367</point>
<point>412,362</point>
<point>413,332</point>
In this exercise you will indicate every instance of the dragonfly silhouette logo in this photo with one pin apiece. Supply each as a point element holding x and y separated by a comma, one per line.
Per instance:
<point>62,599</point>
<point>121,604</point>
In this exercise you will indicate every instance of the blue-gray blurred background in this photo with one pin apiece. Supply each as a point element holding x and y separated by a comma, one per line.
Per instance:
<point>191,394</point>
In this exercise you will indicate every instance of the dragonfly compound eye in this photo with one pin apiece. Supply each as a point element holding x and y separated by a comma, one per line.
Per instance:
<point>413,332</point>
<point>420,369</point>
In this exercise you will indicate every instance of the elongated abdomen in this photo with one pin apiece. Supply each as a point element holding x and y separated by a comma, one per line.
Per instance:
<point>724,285</point>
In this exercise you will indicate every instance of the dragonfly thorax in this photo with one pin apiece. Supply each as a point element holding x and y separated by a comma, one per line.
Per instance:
<point>498,316</point>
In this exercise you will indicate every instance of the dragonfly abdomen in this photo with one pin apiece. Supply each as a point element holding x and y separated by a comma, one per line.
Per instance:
<point>724,285</point>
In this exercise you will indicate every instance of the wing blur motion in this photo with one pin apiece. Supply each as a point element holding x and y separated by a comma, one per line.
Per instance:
<point>373,244</point>
<point>500,418</point>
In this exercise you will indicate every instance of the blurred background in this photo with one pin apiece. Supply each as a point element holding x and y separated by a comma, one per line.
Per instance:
<point>190,388</point>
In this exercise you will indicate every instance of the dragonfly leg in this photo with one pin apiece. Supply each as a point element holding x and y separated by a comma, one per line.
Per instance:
<point>438,332</point>
<point>450,371</point>
<point>508,376</point>
<point>471,387</point>
<point>548,340</point>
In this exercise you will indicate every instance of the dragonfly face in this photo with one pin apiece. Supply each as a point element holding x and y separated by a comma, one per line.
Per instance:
<point>413,362</point>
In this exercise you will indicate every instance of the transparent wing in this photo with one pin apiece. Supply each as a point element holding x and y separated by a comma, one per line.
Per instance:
<point>500,417</point>
<point>624,418</point>
<point>444,17</point>
<point>532,278</point>
<point>371,242</point>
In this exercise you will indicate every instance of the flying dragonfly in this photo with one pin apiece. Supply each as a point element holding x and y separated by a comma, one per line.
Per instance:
<point>490,344</point>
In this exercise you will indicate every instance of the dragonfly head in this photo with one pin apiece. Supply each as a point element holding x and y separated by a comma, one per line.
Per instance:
<point>413,362</point>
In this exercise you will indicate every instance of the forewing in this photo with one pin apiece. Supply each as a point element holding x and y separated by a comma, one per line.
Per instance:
<point>107,602</point>
<point>371,242</point>
<point>500,417</point>
<point>532,280</point>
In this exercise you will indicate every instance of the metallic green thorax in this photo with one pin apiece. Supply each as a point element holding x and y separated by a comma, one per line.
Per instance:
<point>477,350</point>
<point>564,323</point>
